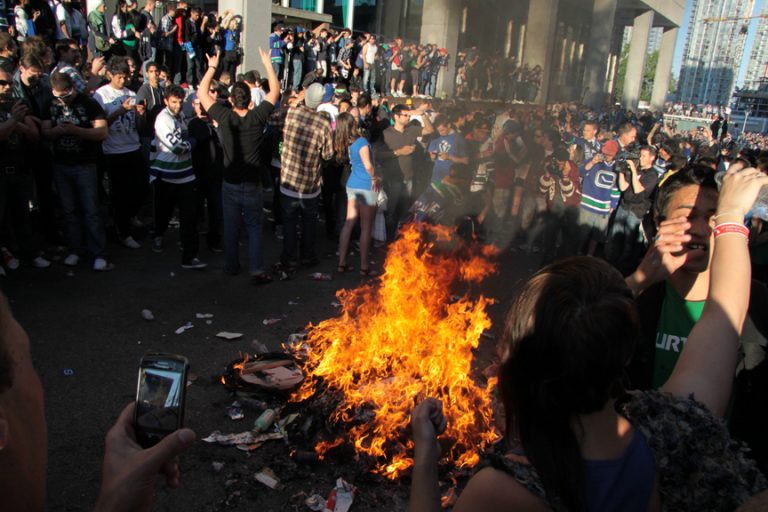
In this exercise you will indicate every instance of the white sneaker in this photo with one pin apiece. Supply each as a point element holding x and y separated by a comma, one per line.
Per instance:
<point>72,260</point>
<point>41,262</point>
<point>136,223</point>
<point>194,264</point>
<point>131,243</point>
<point>101,265</point>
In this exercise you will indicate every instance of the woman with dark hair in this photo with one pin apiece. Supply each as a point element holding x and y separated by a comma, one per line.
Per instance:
<point>127,28</point>
<point>580,440</point>
<point>362,190</point>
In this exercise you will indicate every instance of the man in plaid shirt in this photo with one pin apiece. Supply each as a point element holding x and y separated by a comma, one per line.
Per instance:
<point>307,141</point>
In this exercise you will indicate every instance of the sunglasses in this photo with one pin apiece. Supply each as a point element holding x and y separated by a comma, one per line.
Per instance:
<point>64,95</point>
<point>5,83</point>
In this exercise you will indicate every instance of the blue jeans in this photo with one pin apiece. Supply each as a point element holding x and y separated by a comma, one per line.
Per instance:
<point>292,209</point>
<point>431,85</point>
<point>369,79</point>
<point>298,73</point>
<point>78,191</point>
<point>242,201</point>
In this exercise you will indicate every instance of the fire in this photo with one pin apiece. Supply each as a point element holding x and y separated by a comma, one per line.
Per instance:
<point>401,341</point>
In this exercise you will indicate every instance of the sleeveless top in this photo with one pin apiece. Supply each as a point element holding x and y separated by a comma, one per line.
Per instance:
<point>698,465</point>
<point>623,484</point>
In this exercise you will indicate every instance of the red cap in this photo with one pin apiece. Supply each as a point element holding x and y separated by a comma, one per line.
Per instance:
<point>610,148</point>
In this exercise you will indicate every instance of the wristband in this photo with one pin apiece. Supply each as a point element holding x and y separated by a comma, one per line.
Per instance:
<point>731,228</point>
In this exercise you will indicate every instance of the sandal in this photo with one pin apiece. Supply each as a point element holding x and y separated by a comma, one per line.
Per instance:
<point>259,279</point>
<point>367,272</point>
<point>343,269</point>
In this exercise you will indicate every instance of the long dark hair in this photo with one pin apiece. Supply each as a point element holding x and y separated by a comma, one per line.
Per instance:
<point>568,337</point>
<point>346,133</point>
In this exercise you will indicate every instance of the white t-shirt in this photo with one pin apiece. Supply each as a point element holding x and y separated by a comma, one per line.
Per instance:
<point>370,55</point>
<point>123,133</point>
<point>257,96</point>
<point>332,109</point>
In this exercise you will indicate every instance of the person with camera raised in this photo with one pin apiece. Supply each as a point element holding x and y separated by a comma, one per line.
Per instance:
<point>637,181</point>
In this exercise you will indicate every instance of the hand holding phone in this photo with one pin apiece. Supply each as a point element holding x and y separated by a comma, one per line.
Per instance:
<point>160,397</point>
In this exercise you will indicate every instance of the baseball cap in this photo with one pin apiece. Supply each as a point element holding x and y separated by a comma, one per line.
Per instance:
<point>610,148</point>
<point>314,95</point>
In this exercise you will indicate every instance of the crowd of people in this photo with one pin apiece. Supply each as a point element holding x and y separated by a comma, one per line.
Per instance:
<point>144,117</point>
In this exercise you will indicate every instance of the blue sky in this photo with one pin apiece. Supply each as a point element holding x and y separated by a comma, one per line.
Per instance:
<point>678,59</point>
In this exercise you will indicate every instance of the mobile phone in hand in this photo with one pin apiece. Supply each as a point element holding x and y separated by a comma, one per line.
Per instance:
<point>160,397</point>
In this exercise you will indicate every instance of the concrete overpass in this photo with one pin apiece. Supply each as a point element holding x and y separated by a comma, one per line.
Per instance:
<point>576,42</point>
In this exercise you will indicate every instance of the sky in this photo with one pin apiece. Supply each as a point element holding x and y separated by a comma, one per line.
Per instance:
<point>683,34</point>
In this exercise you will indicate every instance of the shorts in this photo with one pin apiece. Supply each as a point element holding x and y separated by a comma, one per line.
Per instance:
<point>367,197</point>
<point>395,75</point>
<point>593,226</point>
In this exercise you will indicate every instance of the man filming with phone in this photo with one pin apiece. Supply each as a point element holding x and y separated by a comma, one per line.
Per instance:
<point>129,472</point>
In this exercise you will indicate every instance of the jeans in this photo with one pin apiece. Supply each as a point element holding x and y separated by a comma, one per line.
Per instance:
<point>209,194</point>
<point>193,69</point>
<point>276,65</point>
<point>128,177</point>
<point>292,209</point>
<point>369,78</point>
<point>242,201</point>
<point>78,191</point>
<point>624,241</point>
<point>396,204</point>
<point>298,73</point>
<point>183,195</point>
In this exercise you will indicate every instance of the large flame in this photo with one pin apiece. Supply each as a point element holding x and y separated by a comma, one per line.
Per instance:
<point>401,341</point>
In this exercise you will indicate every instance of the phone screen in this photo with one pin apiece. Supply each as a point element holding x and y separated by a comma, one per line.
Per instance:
<point>159,397</point>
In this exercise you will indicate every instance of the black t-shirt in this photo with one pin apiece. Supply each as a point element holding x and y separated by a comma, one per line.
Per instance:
<point>207,155</point>
<point>640,203</point>
<point>13,147</point>
<point>83,111</point>
<point>241,139</point>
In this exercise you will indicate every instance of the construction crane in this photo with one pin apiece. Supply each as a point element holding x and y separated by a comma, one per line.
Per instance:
<point>749,17</point>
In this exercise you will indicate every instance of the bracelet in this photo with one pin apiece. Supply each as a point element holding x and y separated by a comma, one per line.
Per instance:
<point>731,228</point>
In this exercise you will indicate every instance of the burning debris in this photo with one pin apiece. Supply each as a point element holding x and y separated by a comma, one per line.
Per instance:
<point>397,342</point>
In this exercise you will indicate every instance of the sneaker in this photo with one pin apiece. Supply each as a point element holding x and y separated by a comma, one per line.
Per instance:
<point>217,248</point>
<point>72,260</point>
<point>131,243</point>
<point>102,265</point>
<point>194,264</point>
<point>157,244</point>
<point>41,262</point>
<point>136,223</point>
<point>9,260</point>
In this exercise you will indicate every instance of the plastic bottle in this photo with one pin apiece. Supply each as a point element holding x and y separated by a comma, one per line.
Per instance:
<point>265,420</point>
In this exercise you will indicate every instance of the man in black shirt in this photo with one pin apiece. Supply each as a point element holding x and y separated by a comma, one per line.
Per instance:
<point>625,241</point>
<point>207,159</point>
<point>241,131</point>
<point>17,130</point>
<point>75,124</point>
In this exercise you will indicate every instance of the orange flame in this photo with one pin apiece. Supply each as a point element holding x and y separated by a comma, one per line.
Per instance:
<point>401,341</point>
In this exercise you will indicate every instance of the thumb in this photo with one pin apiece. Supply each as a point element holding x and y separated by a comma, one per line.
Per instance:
<point>170,447</point>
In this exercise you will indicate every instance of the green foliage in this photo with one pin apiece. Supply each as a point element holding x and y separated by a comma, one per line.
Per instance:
<point>649,74</point>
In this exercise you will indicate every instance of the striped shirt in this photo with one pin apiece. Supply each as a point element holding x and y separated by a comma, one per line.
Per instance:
<point>171,150</point>
<point>307,141</point>
<point>77,79</point>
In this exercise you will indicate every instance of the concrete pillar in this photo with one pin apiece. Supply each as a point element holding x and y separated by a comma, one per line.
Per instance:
<point>392,11</point>
<point>285,3</point>
<point>257,18</point>
<point>638,51</point>
<point>351,14</point>
<point>440,25</point>
<point>320,6</point>
<point>540,41</point>
<point>663,69</point>
<point>598,53</point>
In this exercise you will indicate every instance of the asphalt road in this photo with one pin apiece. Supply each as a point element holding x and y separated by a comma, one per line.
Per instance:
<point>88,335</point>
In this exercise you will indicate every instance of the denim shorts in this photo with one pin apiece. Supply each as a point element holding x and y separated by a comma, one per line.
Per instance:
<point>367,197</point>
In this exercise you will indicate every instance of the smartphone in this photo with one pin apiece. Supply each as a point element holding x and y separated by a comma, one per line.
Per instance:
<point>132,101</point>
<point>160,397</point>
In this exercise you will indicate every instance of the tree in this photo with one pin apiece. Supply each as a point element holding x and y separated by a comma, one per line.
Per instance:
<point>649,74</point>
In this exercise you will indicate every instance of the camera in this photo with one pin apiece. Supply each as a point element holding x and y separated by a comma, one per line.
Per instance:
<point>622,159</point>
<point>160,397</point>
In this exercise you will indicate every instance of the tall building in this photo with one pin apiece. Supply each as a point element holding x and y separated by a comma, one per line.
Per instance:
<point>654,38</point>
<point>713,51</point>
<point>757,69</point>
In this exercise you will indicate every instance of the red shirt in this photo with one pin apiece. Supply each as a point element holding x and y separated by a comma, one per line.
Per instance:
<point>179,21</point>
